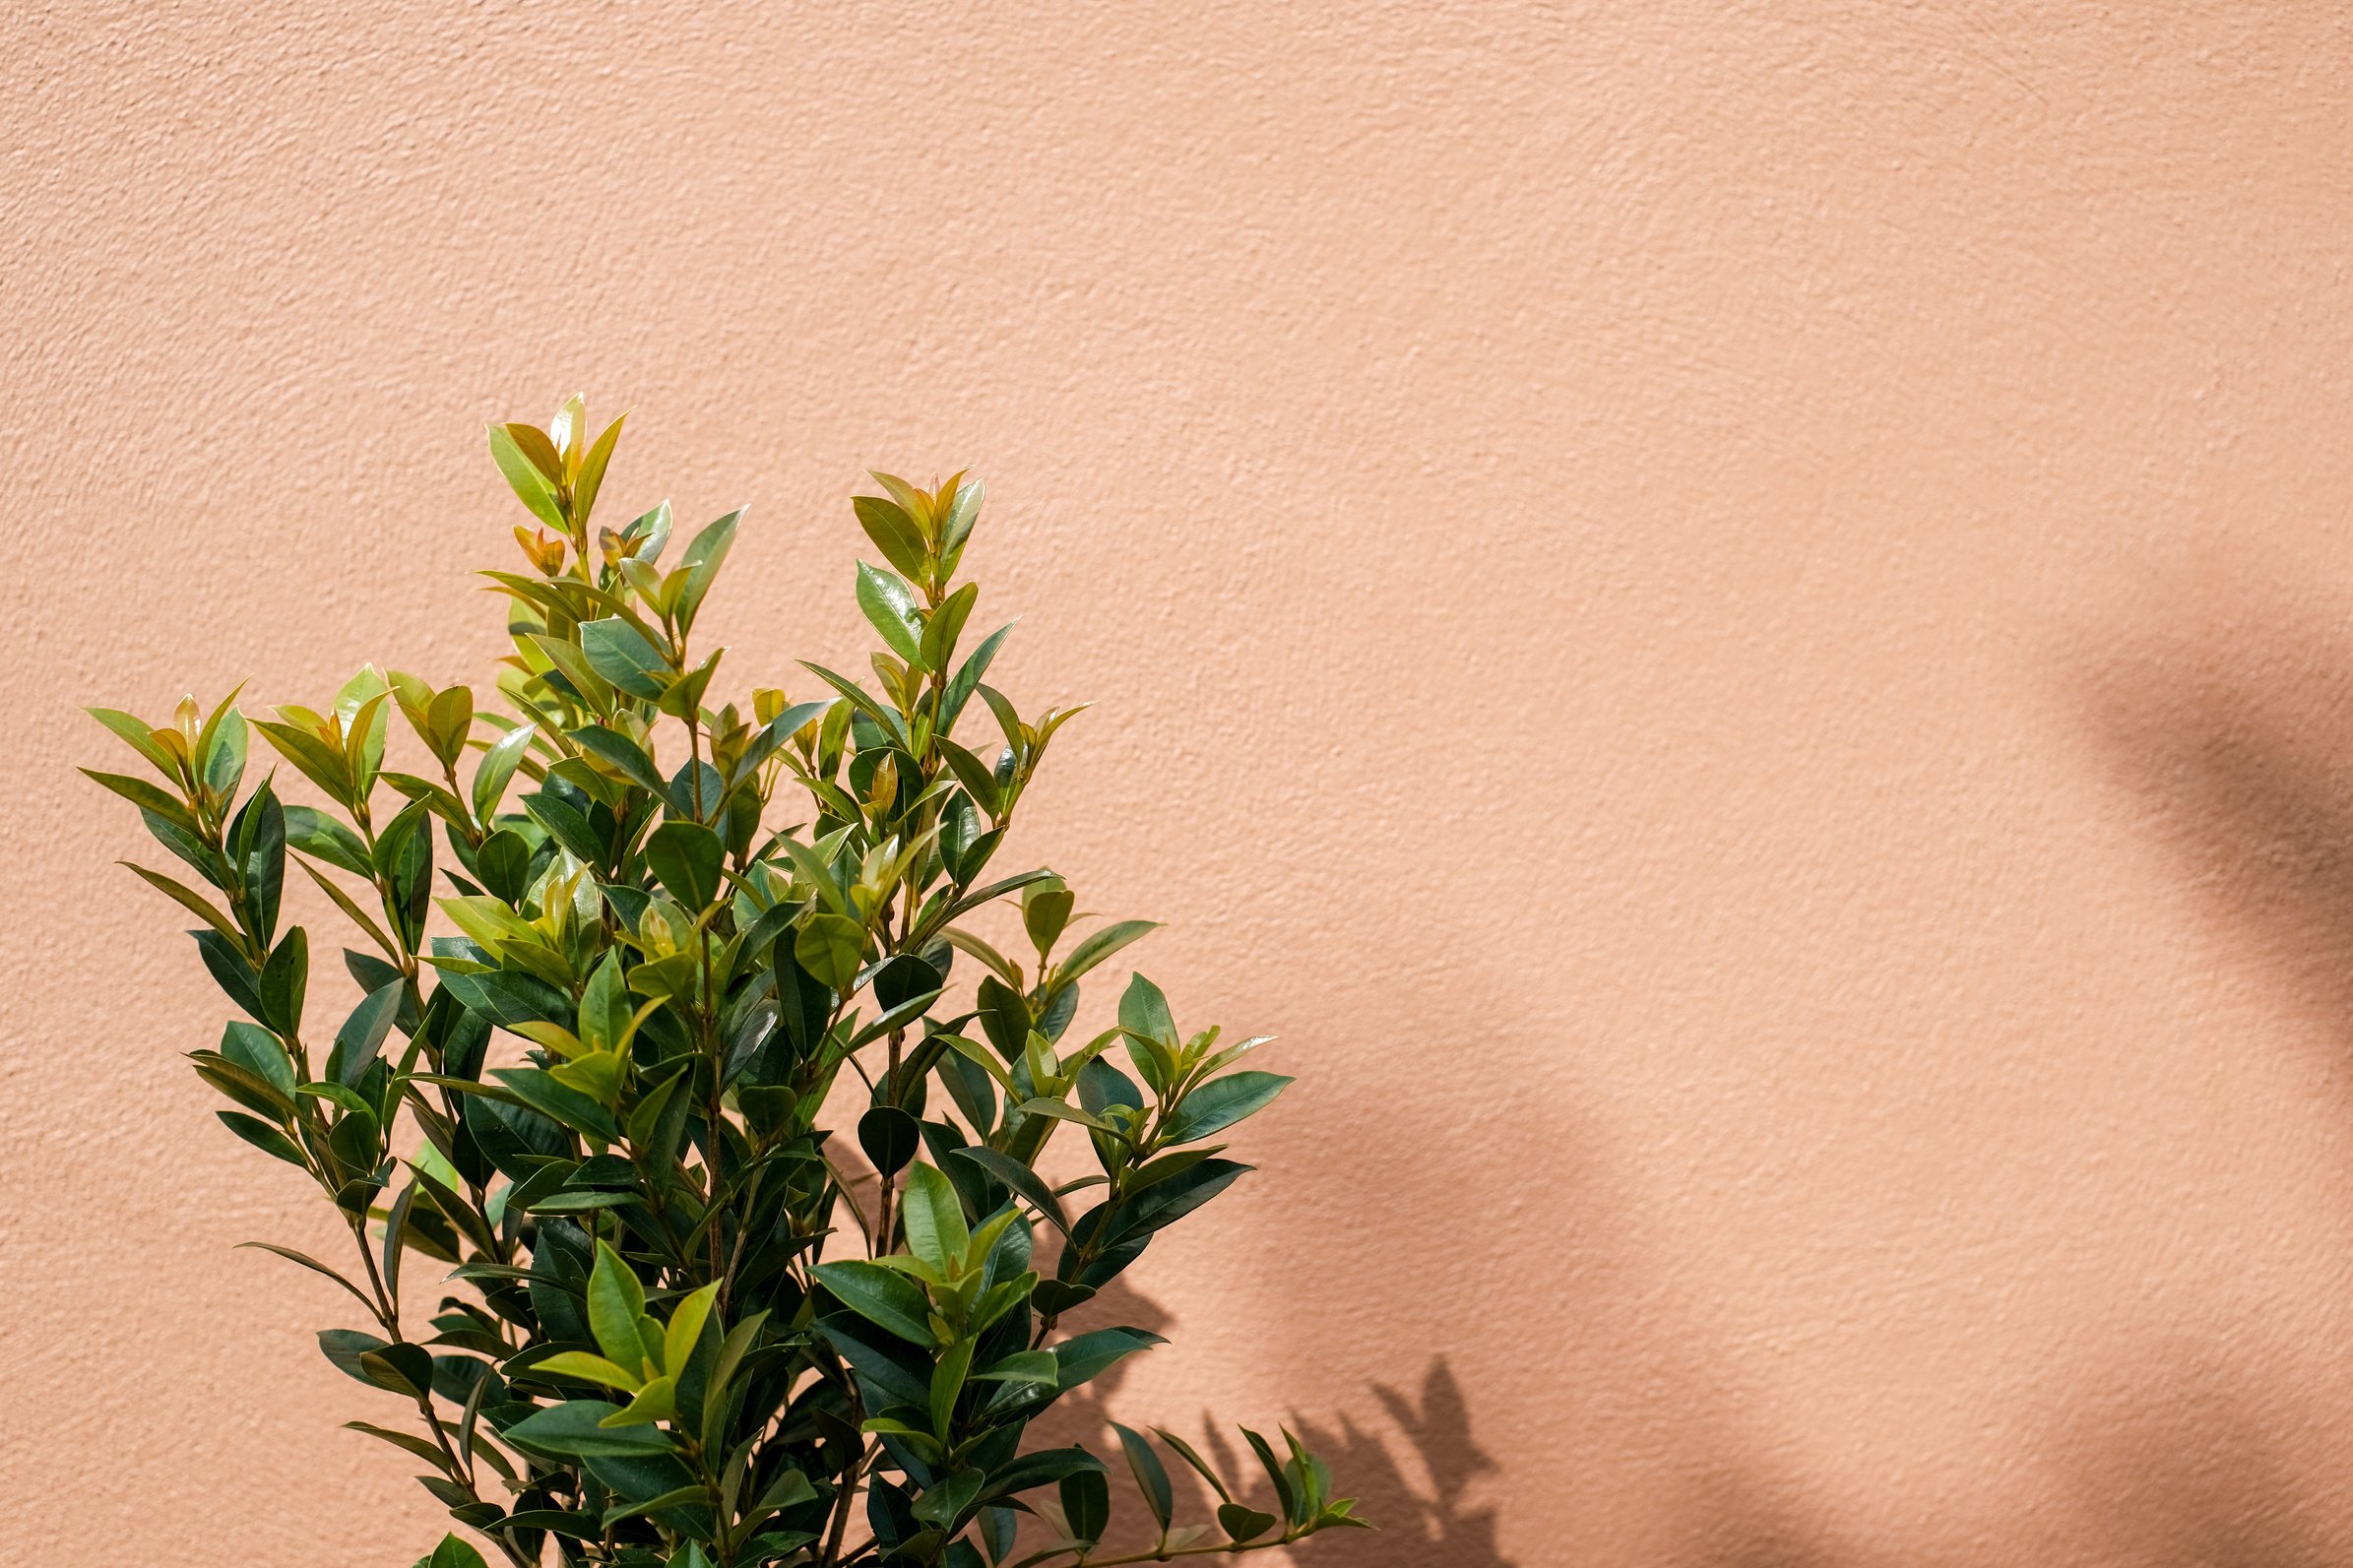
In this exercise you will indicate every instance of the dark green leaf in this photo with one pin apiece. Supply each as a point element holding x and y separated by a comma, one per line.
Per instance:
<point>1144,1011</point>
<point>1087,1504</point>
<point>282,980</point>
<point>556,1101</point>
<point>967,679</point>
<point>264,1137</point>
<point>890,1137</point>
<point>573,1429</point>
<point>452,1553</point>
<point>1220,1103</point>
<point>321,837</point>
<point>624,754</point>
<point>400,1368</point>
<point>830,947</point>
<point>686,856</point>
<point>1022,1179</point>
<point>1243,1524</point>
<point>1087,1356</point>
<point>1151,1476</point>
<point>362,1034</point>
<point>1101,944</point>
<point>621,654</point>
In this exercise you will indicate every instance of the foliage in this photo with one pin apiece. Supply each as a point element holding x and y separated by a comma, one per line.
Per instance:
<point>682,1324</point>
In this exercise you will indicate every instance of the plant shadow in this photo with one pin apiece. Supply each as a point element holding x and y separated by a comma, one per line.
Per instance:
<point>1412,1477</point>
<point>2236,743</point>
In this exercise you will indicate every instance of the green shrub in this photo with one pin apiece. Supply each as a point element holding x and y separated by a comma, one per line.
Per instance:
<point>672,1319</point>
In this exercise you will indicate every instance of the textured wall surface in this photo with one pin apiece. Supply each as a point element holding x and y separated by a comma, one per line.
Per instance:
<point>1732,619</point>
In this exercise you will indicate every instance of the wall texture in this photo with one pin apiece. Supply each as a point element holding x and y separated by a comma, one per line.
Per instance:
<point>1732,618</point>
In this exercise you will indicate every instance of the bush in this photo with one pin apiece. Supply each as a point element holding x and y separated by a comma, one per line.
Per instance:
<point>685,1324</point>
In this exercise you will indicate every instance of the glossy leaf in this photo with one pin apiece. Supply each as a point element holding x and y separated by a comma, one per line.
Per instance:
<point>934,1217</point>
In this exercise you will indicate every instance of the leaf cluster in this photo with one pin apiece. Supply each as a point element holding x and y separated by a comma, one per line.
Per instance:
<point>604,998</point>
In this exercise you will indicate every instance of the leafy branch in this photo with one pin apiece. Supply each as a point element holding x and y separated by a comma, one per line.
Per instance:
<point>678,1325</point>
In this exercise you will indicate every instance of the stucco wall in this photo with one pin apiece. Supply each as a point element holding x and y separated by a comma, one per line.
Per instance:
<point>1732,619</point>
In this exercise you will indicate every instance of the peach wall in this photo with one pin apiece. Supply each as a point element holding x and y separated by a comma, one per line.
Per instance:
<point>1732,618</point>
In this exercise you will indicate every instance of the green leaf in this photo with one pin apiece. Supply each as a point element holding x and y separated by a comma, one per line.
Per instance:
<point>893,531</point>
<point>407,1442</point>
<point>187,898</point>
<point>1021,1178</point>
<point>363,1032</point>
<point>1060,1112</point>
<point>1087,1356</point>
<point>498,765</point>
<point>453,1553</point>
<point>1151,1476</point>
<point>321,837</point>
<point>1101,1087</point>
<point>221,748</point>
<point>1041,1468</point>
<point>829,947</point>
<point>282,980</point>
<point>523,475</point>
<point>687,1327</point>
<point>616,1301</point>
<point>889,604</point>
<point>1101,945</point>
<point>575,1429</point>
<point>705,553</point>
<point>658,1400</point>
<point>1243,1524</point>
<point>972,773</point>
<point>624,754</point>
<point>566,1101</point>
<point>264,1137</point>
<point>260,1052</point>
<point>686,856</point>
<point>1220,1103</point>
<point>934,1217</point>
<point>947,1381</point>
<point>398,1368</point>
<point>689,1556</point>
<point>1144,1011</point>
<point>1086,1504</point>
<point>344,1347</point>
<point>1185,1451</point>
<point>1044,910</point>
<point>145,796</point>
<point>890,1137</point>
<point>620,654</point>
<point>880,1295</point>
<point>140,735</point>
<point>589,1369</point>
<point>891,724</point>
<point>1274,1470</point>
<point>1022,1366</point>
<point>592,470</point>
<point>967,678</point>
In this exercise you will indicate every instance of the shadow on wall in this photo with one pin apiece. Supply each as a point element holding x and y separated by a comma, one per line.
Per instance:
<point>2235,729</point>
<point>1424,1520</point>
<point>2239,736</point>
<point>2198,1471</point>
<point>1419,1522</point>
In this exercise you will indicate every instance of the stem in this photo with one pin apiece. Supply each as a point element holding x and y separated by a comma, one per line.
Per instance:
<point>841,1510</point>
<point>1229,1548</point>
